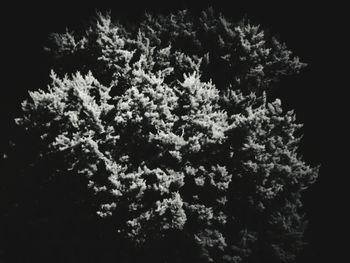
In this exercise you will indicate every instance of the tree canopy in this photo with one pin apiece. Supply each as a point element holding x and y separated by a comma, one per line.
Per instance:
<point>170,126</point>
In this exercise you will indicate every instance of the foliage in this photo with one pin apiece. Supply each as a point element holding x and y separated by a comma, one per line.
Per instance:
<point>172,126</point>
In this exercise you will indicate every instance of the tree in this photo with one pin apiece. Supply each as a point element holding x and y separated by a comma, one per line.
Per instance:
<point>171,126</point>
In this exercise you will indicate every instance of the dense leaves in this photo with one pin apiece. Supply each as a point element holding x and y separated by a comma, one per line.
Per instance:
<point>171,125</point>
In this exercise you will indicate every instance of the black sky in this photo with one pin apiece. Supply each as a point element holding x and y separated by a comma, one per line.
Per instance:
<point>314,32</point>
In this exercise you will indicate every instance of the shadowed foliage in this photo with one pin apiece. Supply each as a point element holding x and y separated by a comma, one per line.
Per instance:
<point>162,142</point>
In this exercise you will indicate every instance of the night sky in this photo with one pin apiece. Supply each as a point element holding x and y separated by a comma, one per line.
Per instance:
<point>314,32</point>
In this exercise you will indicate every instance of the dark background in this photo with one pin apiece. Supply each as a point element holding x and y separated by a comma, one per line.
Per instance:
<point>314,32</point>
